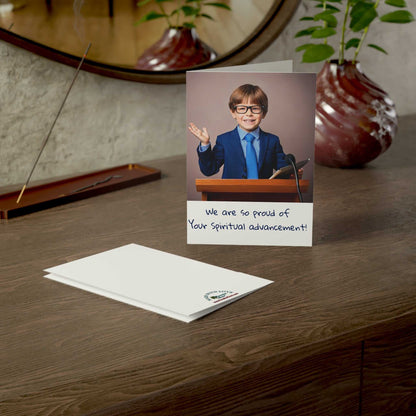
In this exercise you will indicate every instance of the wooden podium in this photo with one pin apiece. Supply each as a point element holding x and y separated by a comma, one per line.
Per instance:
<point>270,190</point>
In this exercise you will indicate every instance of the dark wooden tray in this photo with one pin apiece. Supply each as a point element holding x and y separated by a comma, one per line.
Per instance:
<point>60,192</point>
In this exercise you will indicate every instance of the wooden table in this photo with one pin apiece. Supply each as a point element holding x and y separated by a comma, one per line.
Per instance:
<point>334,335</point>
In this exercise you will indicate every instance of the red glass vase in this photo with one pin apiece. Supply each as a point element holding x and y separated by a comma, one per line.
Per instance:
<point>179,48</point>
<point>355,120</point>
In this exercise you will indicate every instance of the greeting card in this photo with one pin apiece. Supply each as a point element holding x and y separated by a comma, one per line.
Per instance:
<point>250,150</point>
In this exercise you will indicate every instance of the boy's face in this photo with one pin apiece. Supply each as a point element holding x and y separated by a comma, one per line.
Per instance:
<point>248,121</point>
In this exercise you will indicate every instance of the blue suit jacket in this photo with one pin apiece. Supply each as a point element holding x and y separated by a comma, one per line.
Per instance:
<point>228,152</point>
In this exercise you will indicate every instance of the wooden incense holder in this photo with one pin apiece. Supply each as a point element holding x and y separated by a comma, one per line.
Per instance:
<point>60,192</point>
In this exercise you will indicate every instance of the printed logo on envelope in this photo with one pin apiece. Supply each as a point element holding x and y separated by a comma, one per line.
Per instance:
<point>216,296</point>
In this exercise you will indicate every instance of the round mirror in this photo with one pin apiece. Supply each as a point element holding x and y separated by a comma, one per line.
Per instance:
<point>62,29</point>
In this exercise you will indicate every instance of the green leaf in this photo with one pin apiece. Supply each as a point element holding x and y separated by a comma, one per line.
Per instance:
<point>330,19</point>
<point>216,4</point>
<point>362,14</point>
<point>396,3</point>
<point>304,47</point>
<point>323,33</point>
<point>151,16</point>
<point>207,16</point>
<point>307,32</point>
<point>399,16</point>
<point>360,7</point>
<point>142,3</point>
<point>189,10</point>
<point>329,7</point>
<point>352,43</point>
<point>306,18</point>
<point>189,25</point>
<point>317,53</point>
<point>379,48</point>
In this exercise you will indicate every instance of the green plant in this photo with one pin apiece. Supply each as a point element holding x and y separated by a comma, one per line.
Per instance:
<point>185,13</point>
<point>357,17</point>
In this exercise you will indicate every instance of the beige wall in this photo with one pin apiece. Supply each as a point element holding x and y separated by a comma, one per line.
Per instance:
<point>108,122</point>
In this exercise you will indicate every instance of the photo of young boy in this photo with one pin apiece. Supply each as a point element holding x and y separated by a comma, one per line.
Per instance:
<point>272,115</point>
<point>247,152</point>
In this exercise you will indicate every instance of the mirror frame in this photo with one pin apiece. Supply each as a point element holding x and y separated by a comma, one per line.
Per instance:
<point>266,32</point>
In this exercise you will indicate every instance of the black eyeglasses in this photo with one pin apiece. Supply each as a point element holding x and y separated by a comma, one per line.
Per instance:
<point>242,109</point>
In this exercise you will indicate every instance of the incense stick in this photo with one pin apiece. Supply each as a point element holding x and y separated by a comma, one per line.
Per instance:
<point>53,124</point>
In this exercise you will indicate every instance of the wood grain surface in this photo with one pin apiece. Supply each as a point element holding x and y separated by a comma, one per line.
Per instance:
<point>389,375</point>
<point>66,351</point>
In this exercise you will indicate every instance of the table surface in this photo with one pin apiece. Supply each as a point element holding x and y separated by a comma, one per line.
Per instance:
<point>66,350</point>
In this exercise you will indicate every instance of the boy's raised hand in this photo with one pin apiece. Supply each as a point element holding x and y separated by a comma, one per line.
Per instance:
<point>202,135</point>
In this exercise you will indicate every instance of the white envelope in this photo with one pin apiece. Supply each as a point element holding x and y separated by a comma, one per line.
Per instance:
<point>157,281</point>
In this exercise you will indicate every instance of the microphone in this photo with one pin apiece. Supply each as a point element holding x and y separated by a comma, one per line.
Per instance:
<point>289,158</point>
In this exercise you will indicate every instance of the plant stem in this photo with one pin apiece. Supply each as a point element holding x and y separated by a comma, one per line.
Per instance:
<point>357,50</point>
<point>363,36</point>
<point>166,16</point>
<point>177,14</point>
<point>325,22</point>
<point>199,10</point>
<point>342,42</point>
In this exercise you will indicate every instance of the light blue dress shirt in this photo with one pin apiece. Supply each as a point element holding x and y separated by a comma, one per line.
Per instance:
<point>256,141</point>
